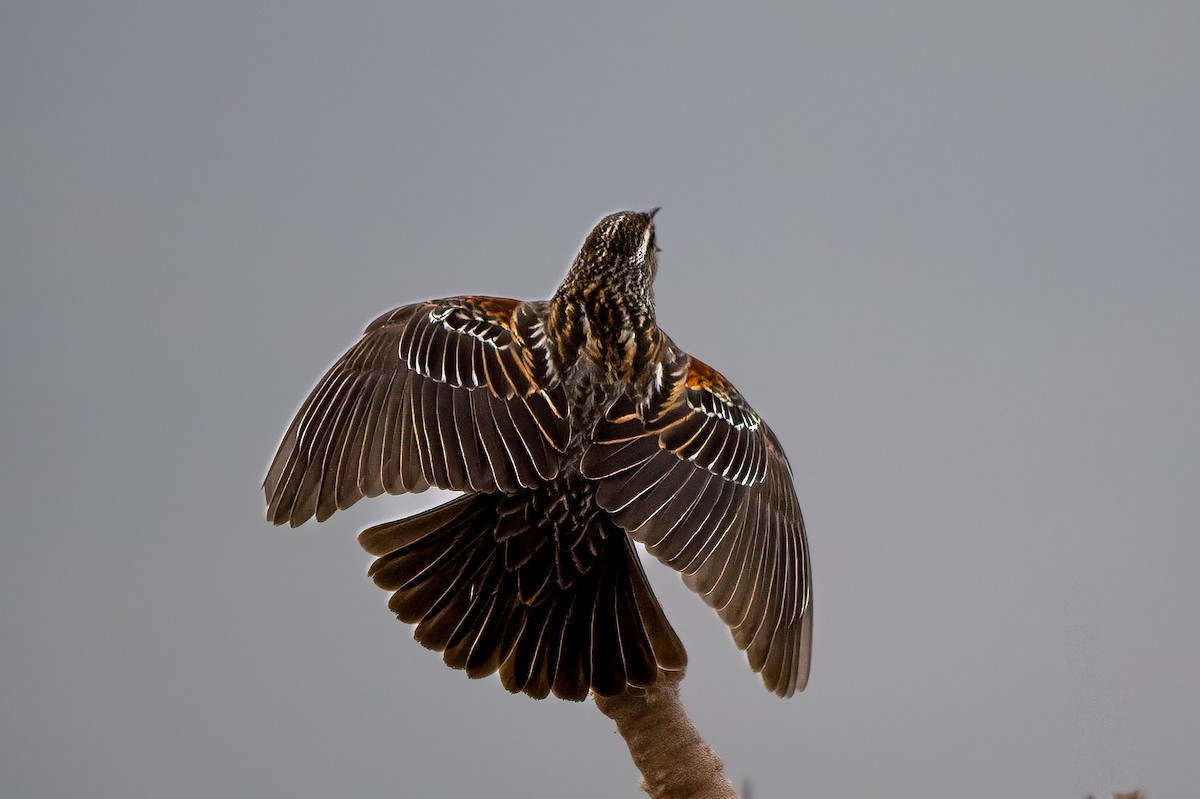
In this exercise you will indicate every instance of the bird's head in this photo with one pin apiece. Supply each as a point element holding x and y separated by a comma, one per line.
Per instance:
<point>617,264</point>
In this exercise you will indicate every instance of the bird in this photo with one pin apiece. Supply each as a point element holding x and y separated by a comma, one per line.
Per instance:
<point>572,428</point>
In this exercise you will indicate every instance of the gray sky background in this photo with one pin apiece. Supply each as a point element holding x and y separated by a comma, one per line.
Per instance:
<point>951,252</point>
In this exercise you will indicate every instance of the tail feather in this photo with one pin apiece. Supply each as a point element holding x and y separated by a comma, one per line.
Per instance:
<point>491,596</point>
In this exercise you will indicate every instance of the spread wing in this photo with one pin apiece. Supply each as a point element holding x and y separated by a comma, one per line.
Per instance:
<point>698,477</point>
<point>456,393</point>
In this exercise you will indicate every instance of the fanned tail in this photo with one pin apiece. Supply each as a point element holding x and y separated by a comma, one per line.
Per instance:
<point>494,589</point>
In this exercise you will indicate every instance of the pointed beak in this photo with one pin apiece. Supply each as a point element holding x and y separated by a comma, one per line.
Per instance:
<point>653,211</point>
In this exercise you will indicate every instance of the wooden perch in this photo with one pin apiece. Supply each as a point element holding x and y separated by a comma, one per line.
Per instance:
<point>674,761</point>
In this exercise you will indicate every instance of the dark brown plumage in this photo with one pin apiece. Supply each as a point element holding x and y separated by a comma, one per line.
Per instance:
<point>573,426</point>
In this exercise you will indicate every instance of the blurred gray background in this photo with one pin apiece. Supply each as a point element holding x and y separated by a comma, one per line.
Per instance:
<point>950,252</point>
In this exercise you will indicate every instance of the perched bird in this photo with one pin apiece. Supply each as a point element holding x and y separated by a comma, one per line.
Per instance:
<point>574,426</point>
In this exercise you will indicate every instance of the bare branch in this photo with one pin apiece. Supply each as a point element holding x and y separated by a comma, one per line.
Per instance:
<point>674,761</point>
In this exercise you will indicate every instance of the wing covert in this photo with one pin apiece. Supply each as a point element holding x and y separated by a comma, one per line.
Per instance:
<point>457,393</point>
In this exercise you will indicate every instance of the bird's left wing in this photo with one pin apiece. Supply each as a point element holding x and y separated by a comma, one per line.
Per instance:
<point>698,477</point>
<point>458,393</point>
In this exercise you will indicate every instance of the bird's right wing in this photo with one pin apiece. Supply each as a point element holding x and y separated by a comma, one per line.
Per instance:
<point>457,393</point>
<point>698,477</point>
